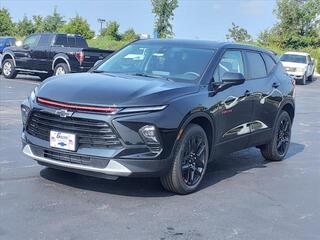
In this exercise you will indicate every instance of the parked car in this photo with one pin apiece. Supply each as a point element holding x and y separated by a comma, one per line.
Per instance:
<point>300,66</point>
<point>46,54</point>
<point>161,108</point>
<point>5,42</point>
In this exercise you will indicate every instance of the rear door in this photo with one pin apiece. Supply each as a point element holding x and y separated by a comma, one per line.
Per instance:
<point>234,111</point>
<point>40,54</point>
<point>266,94</point>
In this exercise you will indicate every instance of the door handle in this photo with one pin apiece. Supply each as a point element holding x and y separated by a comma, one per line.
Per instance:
<point>275,85</point>
<point>247,93</point>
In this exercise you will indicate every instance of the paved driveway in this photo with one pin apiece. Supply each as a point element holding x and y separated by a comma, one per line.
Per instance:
<point>242,196</point>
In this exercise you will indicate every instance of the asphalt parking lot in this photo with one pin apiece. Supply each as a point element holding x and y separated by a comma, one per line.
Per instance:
<point>242,196</point>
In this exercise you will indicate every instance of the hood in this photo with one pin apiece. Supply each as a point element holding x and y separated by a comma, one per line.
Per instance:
<point>97,89</point>
<point>294,65</point>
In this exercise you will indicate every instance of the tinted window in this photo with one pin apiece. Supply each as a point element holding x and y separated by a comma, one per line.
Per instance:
<point>231,62</point>
<point>81,42</point>
<point>159,61</point>
<point>44,40</point>
<point>61,40</point>
<point>293,58</point>
<point>31,41</point>
<point>71,41</point>
<point>257,68</point>
<point>270,63</point>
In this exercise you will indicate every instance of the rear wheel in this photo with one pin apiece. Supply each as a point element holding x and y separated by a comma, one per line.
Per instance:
<point>278,147</point>
<point>8,69</point>
<point>61,69</point>
<point>190,162</point>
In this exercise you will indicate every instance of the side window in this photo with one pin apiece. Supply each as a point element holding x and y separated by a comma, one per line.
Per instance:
<point>81,42</point>
<point>270,63</point>
<point>71,41</point>
<point>231,62</point>
<point>61,40</point>
<point>257,67</point>
<point>44,40</point>
<point>31,41</point>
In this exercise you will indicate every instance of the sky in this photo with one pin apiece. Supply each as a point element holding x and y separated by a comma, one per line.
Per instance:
<point>194,19</point>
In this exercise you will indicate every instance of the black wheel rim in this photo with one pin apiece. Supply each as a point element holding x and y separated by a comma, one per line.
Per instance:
<point>283,139</point>
<point>193,162</point>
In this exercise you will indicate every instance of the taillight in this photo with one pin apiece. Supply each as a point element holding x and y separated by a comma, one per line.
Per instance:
<point>80,57</point>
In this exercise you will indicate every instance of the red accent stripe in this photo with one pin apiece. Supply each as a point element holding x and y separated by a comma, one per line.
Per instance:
<point>77,107</point>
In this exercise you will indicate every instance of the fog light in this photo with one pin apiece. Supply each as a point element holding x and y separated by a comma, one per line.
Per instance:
<point>24,113</point>
<point>149,134</point>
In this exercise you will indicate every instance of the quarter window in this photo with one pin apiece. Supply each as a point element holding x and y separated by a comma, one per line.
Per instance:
<point>270,63</point>
<point>231,62</point>
<point>257,68</point>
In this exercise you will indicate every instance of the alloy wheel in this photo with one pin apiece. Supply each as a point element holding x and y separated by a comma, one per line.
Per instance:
<point>7,68</point>
<point>283,139</point>
<point>193,161</point>
<point>60,71</point>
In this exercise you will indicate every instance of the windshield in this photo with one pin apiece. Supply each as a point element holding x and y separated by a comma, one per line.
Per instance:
<point>158,60</point>
<point>294,58</point>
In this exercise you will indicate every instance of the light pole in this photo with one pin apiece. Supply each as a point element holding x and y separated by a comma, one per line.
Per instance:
<point>101,21</point>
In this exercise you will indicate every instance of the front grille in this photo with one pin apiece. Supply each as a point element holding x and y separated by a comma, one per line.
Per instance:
<point>76,159</point>
<point>89,133</point>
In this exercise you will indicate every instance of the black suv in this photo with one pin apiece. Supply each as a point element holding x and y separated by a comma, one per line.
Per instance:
<point>161,108</point>
<point>47,54</point>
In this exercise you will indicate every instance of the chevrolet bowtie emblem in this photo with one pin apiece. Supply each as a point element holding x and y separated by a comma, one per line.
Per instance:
<point>64,113</point>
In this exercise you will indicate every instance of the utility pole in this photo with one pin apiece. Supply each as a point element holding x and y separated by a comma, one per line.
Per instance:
<point>101,21</point>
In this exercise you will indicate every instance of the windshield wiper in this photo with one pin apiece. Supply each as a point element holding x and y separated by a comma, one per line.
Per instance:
<point>150,76</point>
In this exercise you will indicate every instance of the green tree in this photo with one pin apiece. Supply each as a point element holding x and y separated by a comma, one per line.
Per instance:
<point>297,25</point>
<point>53,22</point>
<point>24,27</point>
<point>38,23</point>
<point>6,24</point>
<point>130,35</point>
<point>238,34</point>
<point>164,13</point>
<point>111,30</point>
<point>78,25</point>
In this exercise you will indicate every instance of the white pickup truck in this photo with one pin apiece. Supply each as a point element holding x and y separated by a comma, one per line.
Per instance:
<point>300,66</point>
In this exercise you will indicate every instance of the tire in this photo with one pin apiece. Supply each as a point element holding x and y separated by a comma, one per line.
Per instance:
<point>304,80</point>
<point>188,167</point>
<point>61,69</point>
<point>310,78</point>
<point>273,151</point>
<point>8,69</point>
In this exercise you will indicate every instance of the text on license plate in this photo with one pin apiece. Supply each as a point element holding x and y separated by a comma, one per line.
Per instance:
<point>62,140</point>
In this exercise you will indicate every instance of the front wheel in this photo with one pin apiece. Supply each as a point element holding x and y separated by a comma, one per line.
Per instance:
<point>190,162</point>
<point>304,80</point>
<point>278,147</point>
<point>8,69</point>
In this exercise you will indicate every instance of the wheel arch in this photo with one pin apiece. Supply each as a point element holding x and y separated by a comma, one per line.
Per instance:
<point>9,55</point>
<point>60,58</point>
<point>288,106</point>
<point>204,120</point>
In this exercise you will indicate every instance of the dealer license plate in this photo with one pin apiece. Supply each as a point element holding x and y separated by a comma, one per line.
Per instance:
<point>63,140</point>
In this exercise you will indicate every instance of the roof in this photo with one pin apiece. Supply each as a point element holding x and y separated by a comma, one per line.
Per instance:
<point>297,53</point>
<point>202,44</point>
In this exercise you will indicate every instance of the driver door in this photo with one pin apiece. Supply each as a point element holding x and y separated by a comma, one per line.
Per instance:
<point>24,54</point>
<point>234,111</point>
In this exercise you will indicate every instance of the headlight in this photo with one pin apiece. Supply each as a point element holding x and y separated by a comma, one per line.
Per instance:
<point>143,109</point>
<point>24,114</point>
<point>33,94</point>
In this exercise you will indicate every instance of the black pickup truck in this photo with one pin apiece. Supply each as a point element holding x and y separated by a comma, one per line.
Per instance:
<point>46,54</point>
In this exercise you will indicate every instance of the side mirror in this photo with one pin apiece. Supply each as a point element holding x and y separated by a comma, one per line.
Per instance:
<point>26,46</point>
<point>232,78</point>
<point>229,79</point>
